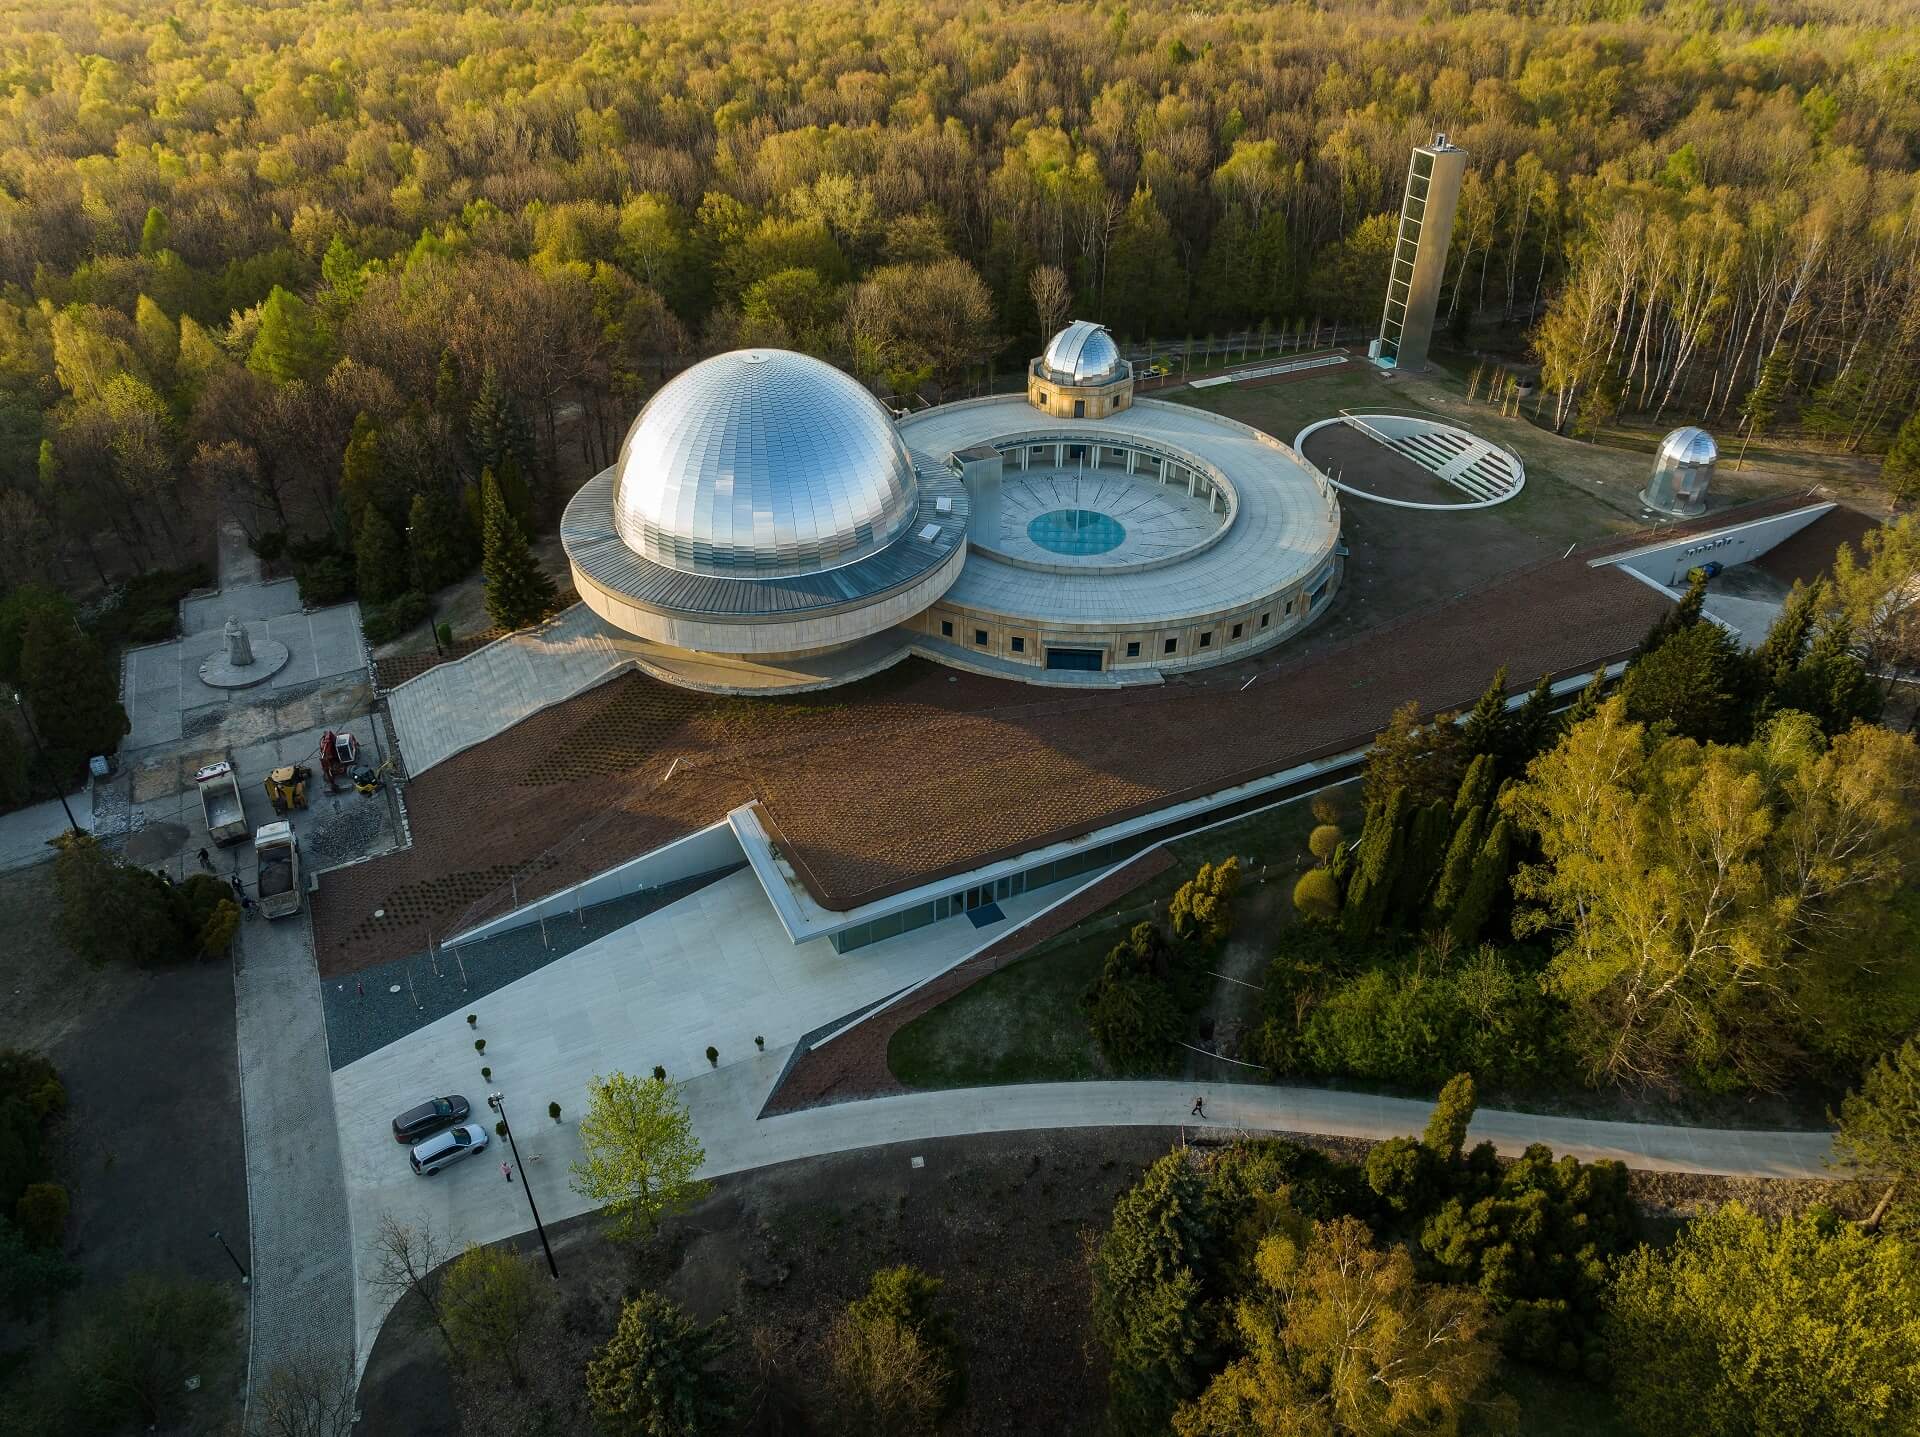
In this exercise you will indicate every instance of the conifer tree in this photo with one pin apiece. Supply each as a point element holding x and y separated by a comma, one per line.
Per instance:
<point>1476,788</point>
<point>1421,856</point>
<point>1832,682</point>
<point>1901,467</point>
<point>1682,615</point>
<point>1484,887</point>
<point>438,542</point>
<point>72,690</point>
<point>498,432</point>
<point>379,559</point>
<point>361,471</point>
<point>1457,869</point>
<point>1532,727</point>
<point>153,232</point>
<point>289,344</point>
<point>1371,887</point>
<point>1486,728</point>
<point>1780,652</point>
<point>1587,703</point>
<point>519,592</point>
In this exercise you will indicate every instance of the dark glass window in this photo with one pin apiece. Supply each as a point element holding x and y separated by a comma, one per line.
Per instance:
<point>1019,646</point>
<point>1206,641</point>
<point>1133,651</point>
<point>1172,644</point>
<point>946,628</point>
<point>1263,619</point>
<point>1237,628</point>
<point>980,637</point>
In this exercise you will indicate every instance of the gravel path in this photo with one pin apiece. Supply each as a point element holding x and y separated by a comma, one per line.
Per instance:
<point>302,1240</point>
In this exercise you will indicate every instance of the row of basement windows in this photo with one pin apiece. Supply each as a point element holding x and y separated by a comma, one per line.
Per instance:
<point>1018,644</point>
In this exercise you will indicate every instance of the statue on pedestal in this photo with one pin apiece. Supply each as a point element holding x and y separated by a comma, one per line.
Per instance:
<point>239,646</point>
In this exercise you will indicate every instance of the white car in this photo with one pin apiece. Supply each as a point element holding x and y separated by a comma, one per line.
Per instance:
<point>441,1150</point>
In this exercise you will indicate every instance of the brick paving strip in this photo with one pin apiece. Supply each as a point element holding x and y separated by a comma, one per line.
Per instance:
<point>854,1064</point>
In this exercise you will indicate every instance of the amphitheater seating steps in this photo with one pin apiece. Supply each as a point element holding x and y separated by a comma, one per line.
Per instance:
<point>1472,465</point>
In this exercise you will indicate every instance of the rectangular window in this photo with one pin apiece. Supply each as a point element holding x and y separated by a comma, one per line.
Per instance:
<point>946,628</point>
<point>1206,641</point>
<point>1133,651</point>
<point>1237,628</point>
<point>1263,619</point>
<point>980,637</point>
<point>1172,644</point>
<point>1019,646</point>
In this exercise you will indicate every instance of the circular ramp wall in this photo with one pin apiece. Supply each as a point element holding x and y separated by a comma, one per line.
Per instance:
<point>1411,461</point>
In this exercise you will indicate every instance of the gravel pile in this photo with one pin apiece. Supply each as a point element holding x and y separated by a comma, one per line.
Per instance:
<point>114,815</point>
<point>354,828</point>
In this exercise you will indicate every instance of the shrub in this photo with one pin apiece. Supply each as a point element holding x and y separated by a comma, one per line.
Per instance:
<point>893,1355</point>
<point>151,626</point>
<point>713,1055</point>
<point>659,1073</point>
<point>1323,840</point>
<point>325,580</point>
<point>479,1045</point>
<point>391,620</point>
<point>1317,896</point>
<point>42,1213</point>
<point>270,545</point>
<point>553,1111</point>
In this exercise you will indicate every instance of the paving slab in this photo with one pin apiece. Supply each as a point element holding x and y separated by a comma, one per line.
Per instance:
<point>243,601</point>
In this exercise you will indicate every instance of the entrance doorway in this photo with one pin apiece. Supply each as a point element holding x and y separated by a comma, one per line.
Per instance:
<point>1089,661</point>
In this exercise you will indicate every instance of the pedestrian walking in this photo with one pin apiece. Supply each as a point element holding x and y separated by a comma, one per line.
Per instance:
<point>246,905</point>
<point>206,862</point>
<point>506,1171</point>
<point>1199,1107</point>
<point>239,888</point>
<point>359,987</point>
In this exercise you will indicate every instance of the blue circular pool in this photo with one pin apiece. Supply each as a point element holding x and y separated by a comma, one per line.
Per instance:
<point>1076,531</point>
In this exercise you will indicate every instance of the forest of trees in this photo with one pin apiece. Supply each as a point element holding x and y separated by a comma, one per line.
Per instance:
<point>235,238</point>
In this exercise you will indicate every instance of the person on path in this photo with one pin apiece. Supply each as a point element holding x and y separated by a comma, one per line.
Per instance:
<point>206,862</point>
<point>506,1172</point>
<point>360,987</point>
<point>1199,1107</point>
<point>239,888</point>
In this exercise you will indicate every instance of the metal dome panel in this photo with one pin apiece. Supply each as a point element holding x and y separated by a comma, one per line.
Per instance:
<point>1083,353</point>
<point>762,464</point>
<point>1689,445</point>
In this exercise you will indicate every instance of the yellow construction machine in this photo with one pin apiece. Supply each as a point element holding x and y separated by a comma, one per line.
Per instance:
<point>287,787</point>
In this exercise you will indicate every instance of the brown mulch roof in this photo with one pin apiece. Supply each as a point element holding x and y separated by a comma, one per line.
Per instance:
<point>396,669</point>
<point>1809,554</point>
<point>921,772</point>
<point>855,1066</point>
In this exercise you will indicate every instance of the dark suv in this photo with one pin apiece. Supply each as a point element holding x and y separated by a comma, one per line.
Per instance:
<point>431,1116</point>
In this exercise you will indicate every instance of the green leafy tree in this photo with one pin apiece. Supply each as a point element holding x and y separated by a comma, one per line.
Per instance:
<point>894,1357</point>
<point>15,781</point>
<point>641,1152</point>
<point>1201,910</point>
<point>110,911</point>
<point>1771,1330</point>
<point>489,1298</point>
<point>659,1375</point>
<point>1424,756</point>
<point>519,592</point>
<point>290,342</point>
<point>379,559</point>
<point>1832,682</point>
<point>216,934</point>
<point>1325,838</point>
<point>1446,1134</point>
<point>1879,1124</point>
<point>1533,727</point>
<point>1683,615</point>
<point>1131,1008</point>
<point>41,1213</point>
<point>73,692</point>
<point>364,483</point>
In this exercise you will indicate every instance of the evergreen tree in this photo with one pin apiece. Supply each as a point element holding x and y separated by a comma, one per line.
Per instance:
<point>440,546</point>
<point>380,559</point>
<point>1486,728</point>
<point>1762,403</point>
<point>72,691</point>
<point>1476,788</point>
<point>1446,1134</point>
<point>14,784</point>
<point>660,1373</point>
<point>342,269</point>
<point>1901,467</point>
<point>1586,703</point>
<point>1781,651</point>
<point>1832,682</point>
<point>519,592</point>
<point>1421,857</point>
<point>1457,870</point>
<point>498,434</point>
<point>1533,728</point>
<point>1145,286</point>
<point>1485,885</point>
<point>1371,887</point>
<point>362,472</point>
<point>289,343</point>
<point>1697,680</point>
<point>448,396</point>
<point>1682,615</point>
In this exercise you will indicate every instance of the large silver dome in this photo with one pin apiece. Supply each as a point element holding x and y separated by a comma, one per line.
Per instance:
<point>1688,445</point>
<point>762,464</point>
<point>1082,353</point>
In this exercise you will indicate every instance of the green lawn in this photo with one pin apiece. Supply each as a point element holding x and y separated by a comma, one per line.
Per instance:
<point>1022,1025</point>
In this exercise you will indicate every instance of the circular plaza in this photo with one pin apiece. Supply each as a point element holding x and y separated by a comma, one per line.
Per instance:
<point>771,526</point>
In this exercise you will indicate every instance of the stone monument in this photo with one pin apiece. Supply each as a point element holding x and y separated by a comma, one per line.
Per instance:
<point>240,667</point>
<point>239,646</point>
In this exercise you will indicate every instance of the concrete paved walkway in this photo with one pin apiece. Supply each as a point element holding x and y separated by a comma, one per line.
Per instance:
<point>302,1245</point>
<point>26,832</point>
<point>716,968</point>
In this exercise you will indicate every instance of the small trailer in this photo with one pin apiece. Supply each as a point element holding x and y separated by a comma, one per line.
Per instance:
<point>220,803</point>
<point>279,882</point>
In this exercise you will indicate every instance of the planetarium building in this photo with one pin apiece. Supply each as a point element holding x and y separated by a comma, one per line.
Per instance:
<point>770,525</point>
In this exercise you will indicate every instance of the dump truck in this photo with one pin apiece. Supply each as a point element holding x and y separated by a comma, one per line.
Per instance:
<point>221,804</point>
<point>279,882</point>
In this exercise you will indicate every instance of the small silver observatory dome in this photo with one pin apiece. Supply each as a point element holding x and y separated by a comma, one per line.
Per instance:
<point>1083,353</point>
<point>1682,470</point>
<point>762,464</point>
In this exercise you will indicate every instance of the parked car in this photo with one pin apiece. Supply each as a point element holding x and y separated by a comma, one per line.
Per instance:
<point>444,1149</point>
<point>431,1116</point>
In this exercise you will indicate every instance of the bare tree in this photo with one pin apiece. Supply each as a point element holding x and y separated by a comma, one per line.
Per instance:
<point>406,1260</point>
<point>1052,298</point>
<point>307,1396</point>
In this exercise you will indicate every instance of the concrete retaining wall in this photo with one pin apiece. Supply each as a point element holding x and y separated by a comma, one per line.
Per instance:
<point>1666,563</point>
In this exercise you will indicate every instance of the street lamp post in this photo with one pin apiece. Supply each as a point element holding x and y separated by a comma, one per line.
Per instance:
<point>41,753</point>
<point>245,1280</point>
<point>498,1102</point>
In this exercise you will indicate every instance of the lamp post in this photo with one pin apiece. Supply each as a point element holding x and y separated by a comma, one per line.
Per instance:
<point>498,1102</point>
<point>245,1280</point>
<point>433,624</point>
<point>41,753</point>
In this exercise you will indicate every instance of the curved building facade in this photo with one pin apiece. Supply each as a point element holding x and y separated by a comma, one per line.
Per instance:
<point>771,526</point>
